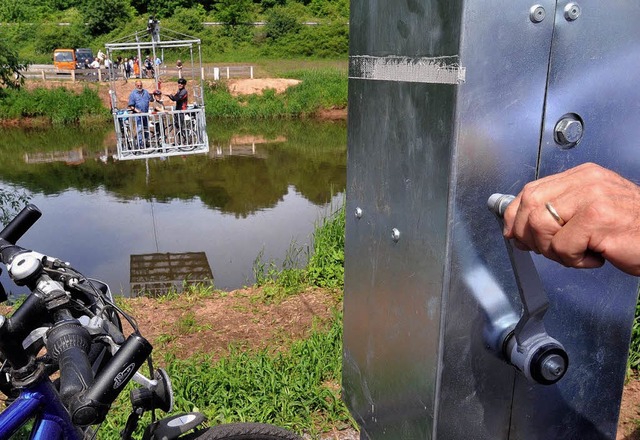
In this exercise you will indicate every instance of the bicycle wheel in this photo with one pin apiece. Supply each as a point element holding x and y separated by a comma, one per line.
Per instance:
<point>244,431</point>
<point>186,140</point>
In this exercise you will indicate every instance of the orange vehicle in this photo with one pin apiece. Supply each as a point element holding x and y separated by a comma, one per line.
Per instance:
<point>64,59</point>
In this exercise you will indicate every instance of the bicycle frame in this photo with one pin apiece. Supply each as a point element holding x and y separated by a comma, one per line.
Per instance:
<point>41,403</point>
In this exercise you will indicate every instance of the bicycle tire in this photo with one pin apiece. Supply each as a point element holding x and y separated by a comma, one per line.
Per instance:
<point>186,139</point>
<point>244,431</point>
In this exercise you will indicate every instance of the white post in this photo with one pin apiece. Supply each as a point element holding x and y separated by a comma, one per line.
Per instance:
<point>251,71</point>
<point>227,72</point>
<point>43,77</point>
<point>99,75</point>
<point>202,73</point>
<point>73,75</point>
<point>216,73</point>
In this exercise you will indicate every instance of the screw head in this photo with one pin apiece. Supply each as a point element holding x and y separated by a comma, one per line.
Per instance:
<point>568,132</point>
<point>572,11</point>
<point>553,367</point>
<point>537,13</point>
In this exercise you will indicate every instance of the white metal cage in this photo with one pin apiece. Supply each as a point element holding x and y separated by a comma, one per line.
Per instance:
<point>170,131</point>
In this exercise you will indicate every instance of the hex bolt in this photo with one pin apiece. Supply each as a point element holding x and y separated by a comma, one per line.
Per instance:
<point>568,132</point>
<point>358,212</point>
<point>537,13</point>
<point>395,234</point>
<point>553,367</point>
<point>572,11</point>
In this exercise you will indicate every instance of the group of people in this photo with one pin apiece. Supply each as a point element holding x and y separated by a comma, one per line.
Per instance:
<point>99,61</point>
<point>141,101</point>
<point>133,67</point>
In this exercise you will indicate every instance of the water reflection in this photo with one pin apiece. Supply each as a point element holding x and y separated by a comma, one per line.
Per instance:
<point>260,187</point>
<point>158,273</point>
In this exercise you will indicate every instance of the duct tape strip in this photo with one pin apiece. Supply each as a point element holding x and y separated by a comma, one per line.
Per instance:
<point>434,70</point>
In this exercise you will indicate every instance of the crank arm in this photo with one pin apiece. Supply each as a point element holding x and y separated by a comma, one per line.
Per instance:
<point>528,347</point>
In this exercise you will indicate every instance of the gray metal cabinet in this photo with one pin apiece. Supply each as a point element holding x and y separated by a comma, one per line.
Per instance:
<point>449,102</point>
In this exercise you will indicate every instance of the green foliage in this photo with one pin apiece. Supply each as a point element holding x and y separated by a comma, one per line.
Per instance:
<point>295,389</point>
<point>11,201</point>
<point>326,265</point>
<point>54,37</point>
<point>633,361</point>
<point>280,22</point>
<point>234,12</point>
<point>191,19</point>
<point>279,283</point>
<point>318,89</point>
<point>103,16</point>
<point>236,16</point>
<point>11,68</point>
<point>330,8</point>
<point>60,105</point>
<point>95,22</point>
<point>166,8</point>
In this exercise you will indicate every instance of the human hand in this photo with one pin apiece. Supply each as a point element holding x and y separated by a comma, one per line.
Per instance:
<point>598,218</point>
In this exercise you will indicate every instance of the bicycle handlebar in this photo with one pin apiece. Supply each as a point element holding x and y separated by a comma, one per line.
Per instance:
<point>20,224</point>
<point>68,342</point>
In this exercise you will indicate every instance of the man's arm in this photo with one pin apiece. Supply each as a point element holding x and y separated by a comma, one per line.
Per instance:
<point>580,218</point>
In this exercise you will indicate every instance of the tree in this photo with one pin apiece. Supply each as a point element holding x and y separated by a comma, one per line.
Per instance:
<point>11,67</point>
<point>236,14</point>
<point>280,22</point>
<point>103,16</point>
<point>11,201</point>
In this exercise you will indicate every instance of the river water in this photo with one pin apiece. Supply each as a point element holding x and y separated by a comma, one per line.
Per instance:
<point>146,224</point>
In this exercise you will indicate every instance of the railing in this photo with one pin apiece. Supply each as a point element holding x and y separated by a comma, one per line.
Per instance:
<point>215,73</point>
<point>47,71</point>
<point>168,133</point>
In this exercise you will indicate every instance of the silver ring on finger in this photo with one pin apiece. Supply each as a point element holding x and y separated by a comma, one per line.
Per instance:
<point>554,214</point>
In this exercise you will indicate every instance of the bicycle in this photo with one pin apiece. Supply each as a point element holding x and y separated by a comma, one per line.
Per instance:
<point>70,326</point>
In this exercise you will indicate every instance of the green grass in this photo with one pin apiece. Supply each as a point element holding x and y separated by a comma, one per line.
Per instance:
<point>325,266</point>
<point>296,389</point>
<point>318,89</point>
<point>59,105</point>
<point>633,361</point>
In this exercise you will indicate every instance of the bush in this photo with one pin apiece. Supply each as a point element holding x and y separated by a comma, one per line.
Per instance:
<point>60,105</point>
<point>280,22</point>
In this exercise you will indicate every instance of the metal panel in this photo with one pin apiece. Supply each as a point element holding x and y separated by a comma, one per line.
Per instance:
<point>593,73</point>
<point>499,110</point>
<point>399,156</point>
<point>423,307</point>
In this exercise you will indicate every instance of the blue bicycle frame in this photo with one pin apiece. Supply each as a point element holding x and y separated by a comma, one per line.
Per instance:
<point>41,403</point>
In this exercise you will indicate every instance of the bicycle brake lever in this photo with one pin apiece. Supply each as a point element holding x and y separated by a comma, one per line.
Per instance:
<point>528,346</point>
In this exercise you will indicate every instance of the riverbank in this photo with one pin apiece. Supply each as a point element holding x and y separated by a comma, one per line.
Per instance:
<point>314,94</point>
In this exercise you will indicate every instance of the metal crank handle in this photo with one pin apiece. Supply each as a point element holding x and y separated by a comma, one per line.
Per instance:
<point>528,346</point>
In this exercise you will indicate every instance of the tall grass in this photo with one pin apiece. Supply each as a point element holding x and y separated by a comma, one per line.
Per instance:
<point>318,89</point>
<point>59,105</point>
<point>324,268</point>
<point>296,389</point>
<point>633,361</point>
